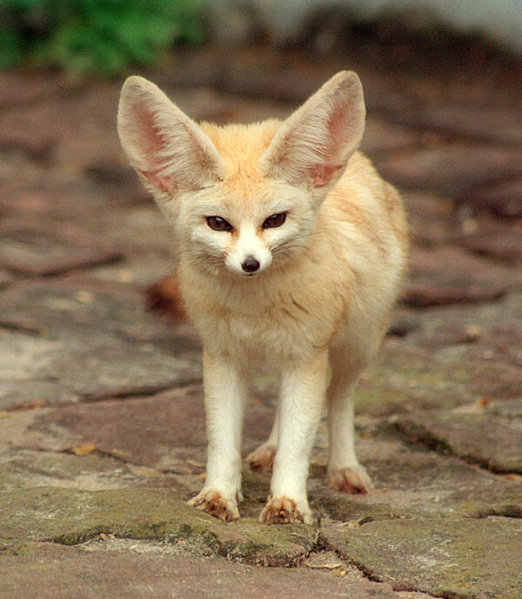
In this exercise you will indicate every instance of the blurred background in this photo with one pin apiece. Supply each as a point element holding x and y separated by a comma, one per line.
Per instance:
<point>108,36</point>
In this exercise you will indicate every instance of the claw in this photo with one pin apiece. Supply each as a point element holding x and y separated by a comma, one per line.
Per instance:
<point>283,510</point>
<point>213,503</point>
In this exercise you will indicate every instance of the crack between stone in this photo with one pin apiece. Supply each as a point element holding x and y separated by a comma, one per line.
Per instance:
<point>220,548</point>
<point>397,118</point>
<point>397,587</point>
<point>145,391</point>
<point>423,437</point>
<point>198,541</point>
<point>15,327</point>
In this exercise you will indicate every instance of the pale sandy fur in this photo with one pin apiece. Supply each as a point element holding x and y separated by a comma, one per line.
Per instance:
<point>317,309</point>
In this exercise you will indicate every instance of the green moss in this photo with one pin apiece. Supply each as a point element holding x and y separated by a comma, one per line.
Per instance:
<point>443,557</point>
<point>270,545</point>
<point>70,517</point>
<point>16,549</point>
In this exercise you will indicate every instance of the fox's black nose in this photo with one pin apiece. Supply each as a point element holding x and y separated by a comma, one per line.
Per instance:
<point>250,264</point>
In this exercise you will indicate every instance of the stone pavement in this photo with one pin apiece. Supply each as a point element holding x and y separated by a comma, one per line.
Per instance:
<point>102,434</point>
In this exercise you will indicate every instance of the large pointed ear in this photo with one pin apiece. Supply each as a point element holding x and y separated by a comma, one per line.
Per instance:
<point>168,150</point>
<point>314,144</point>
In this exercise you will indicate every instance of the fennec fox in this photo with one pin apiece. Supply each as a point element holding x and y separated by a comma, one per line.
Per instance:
<point>291,250</point>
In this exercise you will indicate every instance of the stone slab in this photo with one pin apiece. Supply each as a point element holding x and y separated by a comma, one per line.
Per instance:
<point>17,89</point>
<point>6,278</point>
<point>160,431</point>
<point>499,243</point>
<point>406,378</point>
<point>136,570</point>
<point>77,141</point>
<point>85,338</point>
<point>450,170</point>
<point>79,304</point>
<point>482,339</point>
<point>382,136</point>
<point>47,196</point>
<point>412,480</point>
<point>137,230</point>
<point>428,555</point>
<point>487,123</point>
<point>34,391</point>
<point>431,218</point>
<point>477,559</point>
<point>165,431</point>
<point>448,275</point>
<point>79,467</point>
<point>36,144</point>
<point>160,442</point>
<point>49,251</point>
<point>123,467</point>
<point>503,198</point>
<point>85,368</point>
<point>477,436</point>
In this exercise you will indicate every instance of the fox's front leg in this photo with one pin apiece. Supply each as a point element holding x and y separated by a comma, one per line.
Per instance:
<point>302,397</point>
<point>225,388</point>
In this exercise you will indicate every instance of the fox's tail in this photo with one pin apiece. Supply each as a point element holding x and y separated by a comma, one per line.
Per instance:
<point>165,296</point>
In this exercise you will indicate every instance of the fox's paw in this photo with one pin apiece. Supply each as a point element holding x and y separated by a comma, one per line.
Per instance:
<point>283,510</point>
<point>350,480</point>
<point>262,458</point>
<point>214,503</point>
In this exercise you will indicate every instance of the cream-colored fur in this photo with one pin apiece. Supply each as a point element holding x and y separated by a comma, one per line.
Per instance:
<point>300,271</point>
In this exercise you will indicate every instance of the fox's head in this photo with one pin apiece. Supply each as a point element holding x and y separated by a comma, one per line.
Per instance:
<point>241,197</point>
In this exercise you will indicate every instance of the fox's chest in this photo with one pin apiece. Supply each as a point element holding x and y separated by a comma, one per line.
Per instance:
<point>278,326</point>
<point>257,334</point>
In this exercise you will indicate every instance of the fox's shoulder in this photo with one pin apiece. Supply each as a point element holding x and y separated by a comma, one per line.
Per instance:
<point>361,173</point>
<point>362,196</point>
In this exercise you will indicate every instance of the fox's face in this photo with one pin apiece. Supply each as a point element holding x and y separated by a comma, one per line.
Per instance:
<point>242,199</point>
<point>249,247</point>
<point>244,233</point>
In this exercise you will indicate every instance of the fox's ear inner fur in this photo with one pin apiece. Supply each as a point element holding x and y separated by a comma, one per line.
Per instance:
<point>314,144</point>
<point>168,150</point>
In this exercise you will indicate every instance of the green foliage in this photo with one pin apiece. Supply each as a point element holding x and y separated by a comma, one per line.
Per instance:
<point>95,36</point>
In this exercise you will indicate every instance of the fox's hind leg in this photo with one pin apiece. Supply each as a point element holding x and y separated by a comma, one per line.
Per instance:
<point>344,473</point>
<point>262,458</point>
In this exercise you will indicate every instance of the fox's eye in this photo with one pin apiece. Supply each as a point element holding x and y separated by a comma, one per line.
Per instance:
<point>218,224</point>
<point>275,220</point>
